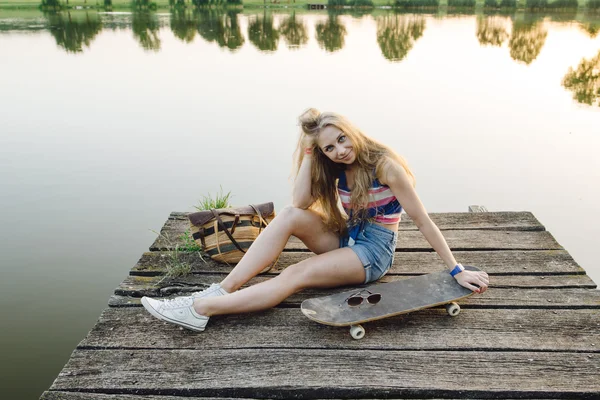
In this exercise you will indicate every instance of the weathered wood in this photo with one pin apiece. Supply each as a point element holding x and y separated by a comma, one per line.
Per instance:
<point>492,298</point>
<point>138,286</point>
<point>433,329</point>
<point>534,334</point>
<point>457,240</point>
<point>516,262</point>
<point>472,240</point>
<point>60,395</point>
<point>503,220</point>
<point>177,224</point>
<point>310,373</point>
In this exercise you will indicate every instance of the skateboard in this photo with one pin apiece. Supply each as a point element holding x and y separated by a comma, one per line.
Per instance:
<point>384,300</point>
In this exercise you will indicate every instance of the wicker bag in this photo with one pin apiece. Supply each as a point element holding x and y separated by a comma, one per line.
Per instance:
<point>226,233</point>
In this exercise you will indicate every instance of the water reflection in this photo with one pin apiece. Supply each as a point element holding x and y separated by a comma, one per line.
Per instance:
<point>72,32</point>
<point>584,81</point>
<point>527,39</point>
<point>591,28</point>
<point>294,31</point>
<point>145,27</point>
<point>492,30</point>
<point>220,26</point>
<point>331,34</point>
<point>183,24</point>
<point>397,34</point>
<point>262,32</point>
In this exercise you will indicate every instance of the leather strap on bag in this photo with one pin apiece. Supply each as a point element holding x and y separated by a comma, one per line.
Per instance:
<point>235,222</point>
<point>260,217</point>
<point>224,228</point>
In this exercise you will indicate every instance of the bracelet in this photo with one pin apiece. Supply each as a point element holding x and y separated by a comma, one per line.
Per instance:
<point>308,150</point>
<point>457,269</point>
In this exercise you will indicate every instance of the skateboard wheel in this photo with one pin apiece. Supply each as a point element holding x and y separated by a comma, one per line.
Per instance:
<point>453,309</point>
<point>357,332</point>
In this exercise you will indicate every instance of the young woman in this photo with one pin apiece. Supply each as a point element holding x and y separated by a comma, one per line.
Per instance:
<point>335,162</point>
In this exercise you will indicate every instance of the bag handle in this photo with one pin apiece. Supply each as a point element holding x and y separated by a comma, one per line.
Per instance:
<point>224,228</point>
<point>260,217</point>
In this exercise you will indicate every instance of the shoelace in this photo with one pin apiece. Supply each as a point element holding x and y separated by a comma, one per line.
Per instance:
<point>176,303</point>
<point>212,288</point>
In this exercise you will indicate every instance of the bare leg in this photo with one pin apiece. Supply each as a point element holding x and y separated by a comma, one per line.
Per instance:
<point>335,268</point>
<point>304,224</point>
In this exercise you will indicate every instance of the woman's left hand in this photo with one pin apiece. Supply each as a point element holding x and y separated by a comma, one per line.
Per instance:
<point>477,281</point>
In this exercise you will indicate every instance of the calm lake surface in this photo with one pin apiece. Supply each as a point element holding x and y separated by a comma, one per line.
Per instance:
<point>110,121</point>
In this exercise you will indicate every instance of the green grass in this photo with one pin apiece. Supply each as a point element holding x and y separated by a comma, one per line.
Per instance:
<point>189,244</point>
<point>221,200</point>
<point>175,266</point>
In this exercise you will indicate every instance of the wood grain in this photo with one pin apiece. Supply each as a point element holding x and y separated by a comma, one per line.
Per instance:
<point>432,329</point>
<point>314,373</point>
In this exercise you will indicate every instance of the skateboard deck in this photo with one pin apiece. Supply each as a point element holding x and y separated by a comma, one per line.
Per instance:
<point>401,297</point>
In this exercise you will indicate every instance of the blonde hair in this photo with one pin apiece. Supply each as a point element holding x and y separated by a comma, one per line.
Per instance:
<point>370,155</point>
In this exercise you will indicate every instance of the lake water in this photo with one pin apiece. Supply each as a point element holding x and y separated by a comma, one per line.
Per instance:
<point>110,121</point>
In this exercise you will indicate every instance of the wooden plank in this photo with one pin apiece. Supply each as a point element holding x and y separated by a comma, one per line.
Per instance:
<point>433,329</point>
<point>457,240</point>
<point>493,298</point>
<point>332,373</point>
<point>60,395</point>
<point>138,286</point>
<point>177,224</point>
<point>494,262</point>
<point>502,220</point>
<point>472,240</point>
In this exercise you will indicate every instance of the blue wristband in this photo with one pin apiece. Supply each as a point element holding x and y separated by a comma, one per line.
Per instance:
<point>457,269</point>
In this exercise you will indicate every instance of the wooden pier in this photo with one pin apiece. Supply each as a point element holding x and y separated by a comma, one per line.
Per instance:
<point>534,334</point>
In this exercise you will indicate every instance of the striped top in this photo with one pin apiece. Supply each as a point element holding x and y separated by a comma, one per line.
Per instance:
<point>383,205</point>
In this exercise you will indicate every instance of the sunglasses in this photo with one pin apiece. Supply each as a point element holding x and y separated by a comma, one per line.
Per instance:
<point>357,298</point>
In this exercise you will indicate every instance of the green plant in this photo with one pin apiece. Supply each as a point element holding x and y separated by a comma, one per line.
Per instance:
<point>174,265</point>
<point>189,244</point>
<point>508,4</point>
<point>220,201</point>
<point>593,4</point>
<point>491,3</point>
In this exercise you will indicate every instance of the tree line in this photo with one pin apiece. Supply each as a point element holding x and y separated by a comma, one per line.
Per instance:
<point>524,35</point>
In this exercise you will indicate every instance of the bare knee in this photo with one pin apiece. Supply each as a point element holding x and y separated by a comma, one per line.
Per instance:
<point>294,276</point>
<point>292,212</point>
<point>296,218</point>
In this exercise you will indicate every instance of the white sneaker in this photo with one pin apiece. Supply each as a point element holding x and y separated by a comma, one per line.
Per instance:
<point>213,290</point>
<point>179,311</point>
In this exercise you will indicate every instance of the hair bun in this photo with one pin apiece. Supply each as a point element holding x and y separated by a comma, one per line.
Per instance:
<point>309,120</point>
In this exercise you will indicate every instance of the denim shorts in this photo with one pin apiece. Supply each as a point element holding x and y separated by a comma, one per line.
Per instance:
<point>375,247</point>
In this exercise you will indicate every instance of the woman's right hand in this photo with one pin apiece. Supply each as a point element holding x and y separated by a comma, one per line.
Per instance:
<point>307,142</point>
